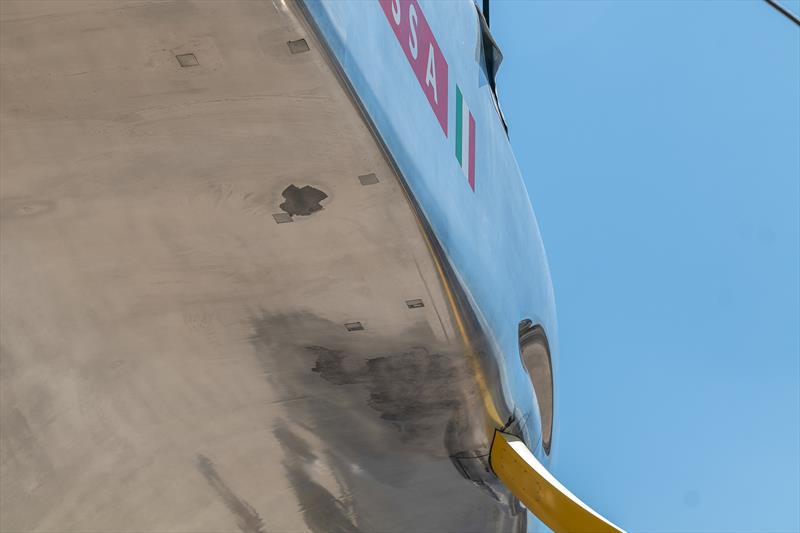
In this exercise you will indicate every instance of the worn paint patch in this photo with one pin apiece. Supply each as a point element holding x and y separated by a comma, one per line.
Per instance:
<point>22,207</point>
<point>369,400</point>
<point>302,201</point>
<point>322,510</point>
<point>247,519</point>
<point>415,390</point>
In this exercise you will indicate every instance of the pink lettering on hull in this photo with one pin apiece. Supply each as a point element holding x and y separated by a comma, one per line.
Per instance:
<point>422,51</point>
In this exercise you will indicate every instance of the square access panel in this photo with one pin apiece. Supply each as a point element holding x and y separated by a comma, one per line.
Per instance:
<point>187,60</point>
<point>368,179</point>
<point>282,218</point>
<point>298,47</point>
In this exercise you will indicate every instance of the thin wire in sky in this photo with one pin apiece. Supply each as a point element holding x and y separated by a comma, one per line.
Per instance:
<point>791,16</point>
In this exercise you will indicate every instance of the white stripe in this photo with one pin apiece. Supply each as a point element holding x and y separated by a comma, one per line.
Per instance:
<point>464,136</point>
<point>524,453</point>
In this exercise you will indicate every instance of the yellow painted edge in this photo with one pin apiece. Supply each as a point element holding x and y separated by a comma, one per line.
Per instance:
<point>540,492</point>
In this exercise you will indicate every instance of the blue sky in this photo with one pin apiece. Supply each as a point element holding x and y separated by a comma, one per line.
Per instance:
<point>660,142</point>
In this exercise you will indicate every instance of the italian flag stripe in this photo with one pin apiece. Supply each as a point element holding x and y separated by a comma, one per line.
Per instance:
<point>465,138</point>
<point>459,123</point>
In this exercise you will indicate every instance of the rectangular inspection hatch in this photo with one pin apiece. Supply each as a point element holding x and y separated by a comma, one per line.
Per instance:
<point>368,179</point>
<point>414,304</point>
<point>298,47</point>
<point>187,60</point>
<point>354,326</point>
<point>282,218</point>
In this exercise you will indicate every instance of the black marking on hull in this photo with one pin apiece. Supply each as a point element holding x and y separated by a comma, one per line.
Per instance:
<point>302,201</point>
<point>247,519</point>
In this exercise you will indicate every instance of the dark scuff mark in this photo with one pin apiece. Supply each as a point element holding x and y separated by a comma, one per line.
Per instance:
<point>390,410</point>
<point>302,202</point>
<point>247,519</point>
<point>415,390</point>
<point>330,365</point>
<point>290,441</point>
<point>322,511</point>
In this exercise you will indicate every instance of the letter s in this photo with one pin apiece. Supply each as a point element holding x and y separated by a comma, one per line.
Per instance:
<point>413,45</point>
<point>396,11</point>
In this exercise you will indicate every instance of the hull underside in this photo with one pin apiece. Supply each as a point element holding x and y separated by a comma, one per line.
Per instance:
<point>173,358</point>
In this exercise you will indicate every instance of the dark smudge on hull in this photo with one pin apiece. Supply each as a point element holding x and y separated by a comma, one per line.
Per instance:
<point>322,511</point>
<point>384,414</point>
<point>247,519</point>
<point>302,201</point>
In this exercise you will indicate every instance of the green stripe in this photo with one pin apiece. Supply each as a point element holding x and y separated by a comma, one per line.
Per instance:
<point>459,119</point>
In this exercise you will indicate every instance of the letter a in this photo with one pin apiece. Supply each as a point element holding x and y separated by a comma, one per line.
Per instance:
<point>430,74</point>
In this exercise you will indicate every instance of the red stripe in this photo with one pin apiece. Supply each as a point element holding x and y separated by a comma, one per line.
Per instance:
<point>472,152</point>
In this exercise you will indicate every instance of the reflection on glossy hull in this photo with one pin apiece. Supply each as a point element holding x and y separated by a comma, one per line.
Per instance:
<point>174,355</point>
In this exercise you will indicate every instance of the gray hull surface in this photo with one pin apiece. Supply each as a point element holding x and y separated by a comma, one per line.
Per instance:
<point>173,358</point>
